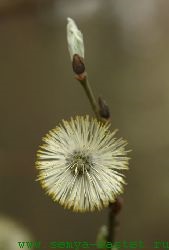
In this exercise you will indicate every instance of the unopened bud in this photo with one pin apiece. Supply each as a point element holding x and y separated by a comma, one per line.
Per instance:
<point>103,109</point>
<point>78,65</point>
<point>74,39</point>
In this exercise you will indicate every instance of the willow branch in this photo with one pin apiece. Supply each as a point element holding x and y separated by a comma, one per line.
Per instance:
<point>88,90</point>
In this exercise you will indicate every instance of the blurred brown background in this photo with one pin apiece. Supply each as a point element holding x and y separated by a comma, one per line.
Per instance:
<point>127,57</point>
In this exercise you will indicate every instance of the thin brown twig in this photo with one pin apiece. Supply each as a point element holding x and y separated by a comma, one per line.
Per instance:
<point>88,90</point>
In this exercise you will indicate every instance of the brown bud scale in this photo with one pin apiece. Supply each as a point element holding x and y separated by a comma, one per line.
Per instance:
<point>78,64</point>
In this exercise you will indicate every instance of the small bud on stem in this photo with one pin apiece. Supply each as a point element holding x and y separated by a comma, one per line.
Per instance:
<point>103,109</point>
<point>78,65</point>
<point>74,39</point>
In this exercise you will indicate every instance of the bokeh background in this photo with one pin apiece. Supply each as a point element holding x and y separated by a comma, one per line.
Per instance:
<point>127,58</point>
